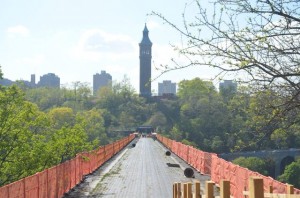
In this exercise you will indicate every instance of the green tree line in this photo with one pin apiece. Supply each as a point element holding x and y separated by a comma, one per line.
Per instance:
<point>41,127</point>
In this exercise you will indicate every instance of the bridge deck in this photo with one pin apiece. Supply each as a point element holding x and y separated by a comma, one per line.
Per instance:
<point>140,171</point>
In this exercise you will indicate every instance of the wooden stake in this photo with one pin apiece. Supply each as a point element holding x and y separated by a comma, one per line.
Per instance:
<point>225,189</point>
<point>185,190</point>
<point>175,192</point>
<point>197,190</point>
<point>256,187</point>
<point>209,189</point>
<point>189,190</point>
<point>289,189</point>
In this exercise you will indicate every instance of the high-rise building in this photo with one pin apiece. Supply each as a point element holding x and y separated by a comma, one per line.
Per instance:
<point>101,80</point>
<point>228,85</point>
<point>145,64</point>
<point>166,88</point>
<point>32,80</point>
<point>49,80</point>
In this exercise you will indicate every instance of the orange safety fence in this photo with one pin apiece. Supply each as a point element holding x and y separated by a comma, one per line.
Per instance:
<point>220,169</point>
<point>55,181</point>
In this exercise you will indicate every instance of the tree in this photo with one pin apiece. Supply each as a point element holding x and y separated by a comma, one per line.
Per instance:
<point>123,108</point>
<point>258,40</point>
<point>45,97</point>
<point>79,97</point>
<point>95,126</point>
<point>291,174</point>
<point>61,116</point>
<point>158,120</point>
<point>202,114</point>
<point>69,134</point>
<point>253,163</point>
<point>171,110</point>
<point>176,134</point>
<point>22,136</point>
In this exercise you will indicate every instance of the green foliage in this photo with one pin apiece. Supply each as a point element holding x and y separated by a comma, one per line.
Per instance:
<point>202,114</point>
<point>187,142</point>
<point>94,125</point>
<point>78,97</point>
<point>20,137</point>
<point>31,140</point>
<point>291,174</point>
<point>176,134</point>
<point>45,97</point>
<point>69,134</point>
<point>61,116</point>
<point>256,49</point>
<point>253,163</point>
<point>158,120</point>
<point>123,108</point>
<point>58,123</point>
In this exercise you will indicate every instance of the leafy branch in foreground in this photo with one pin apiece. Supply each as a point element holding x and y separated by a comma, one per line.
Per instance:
<point>258,41</point>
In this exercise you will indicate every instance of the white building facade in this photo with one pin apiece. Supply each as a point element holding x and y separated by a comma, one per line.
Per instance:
<point>166,88</point>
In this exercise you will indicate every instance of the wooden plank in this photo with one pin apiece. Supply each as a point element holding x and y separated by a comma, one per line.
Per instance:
<point>197,190</point>
<point>175,193</point>
<point>185,186</point>
<point>256,187</point>
<point>225,189</point>
<point>189,190</point>
<point>209,189</point>
<point>289,189</point>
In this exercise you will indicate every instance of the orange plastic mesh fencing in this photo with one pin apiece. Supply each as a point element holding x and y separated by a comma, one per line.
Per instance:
<point>79,172</point>
<point>115,147</point>
<point>67,176</point>
<point>52,182</point>
<point>57,180</point>
<point>190,155</point>
<point>101,156</point>
<point>234,180</point>
<point>278,187</point>
<point>184,152</point>
<point>17,189</point>
<point>109,151</point>
<point>214,176</point>
<point>32,186</point>
<point>175,147</point>
<point>197,159</point>
<point>43,182</point>
<point>218,169</point>
<point>93,160</point>
<point>4,191</point>
<point>85,163</point>
<point>73,172</point>
<point>60,179</point>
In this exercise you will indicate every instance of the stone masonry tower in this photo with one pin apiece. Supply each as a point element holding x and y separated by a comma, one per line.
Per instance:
<point>145,64</point>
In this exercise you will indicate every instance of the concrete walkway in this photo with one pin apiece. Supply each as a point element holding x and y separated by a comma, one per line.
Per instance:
<point>143,171</point>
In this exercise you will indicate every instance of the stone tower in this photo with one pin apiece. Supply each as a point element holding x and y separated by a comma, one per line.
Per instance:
<point>145,64</point>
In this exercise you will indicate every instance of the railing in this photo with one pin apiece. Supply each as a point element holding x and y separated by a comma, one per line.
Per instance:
<point>220,169</point>
<point>56,181</point>
<point>256,190</point>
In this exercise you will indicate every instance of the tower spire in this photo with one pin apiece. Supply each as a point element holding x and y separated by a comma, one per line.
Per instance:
<point>146,40</point>
<point>145,64</point>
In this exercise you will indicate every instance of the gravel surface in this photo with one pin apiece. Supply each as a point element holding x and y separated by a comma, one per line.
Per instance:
<point>143,171</point>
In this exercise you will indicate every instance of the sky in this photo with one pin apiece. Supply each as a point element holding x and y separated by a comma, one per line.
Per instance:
<point>76,39</point>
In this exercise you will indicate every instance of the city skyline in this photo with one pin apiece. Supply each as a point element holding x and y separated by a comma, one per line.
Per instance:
<point>75,39</point>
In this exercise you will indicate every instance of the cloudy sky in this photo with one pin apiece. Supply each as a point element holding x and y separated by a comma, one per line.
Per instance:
<point>77,38</point>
